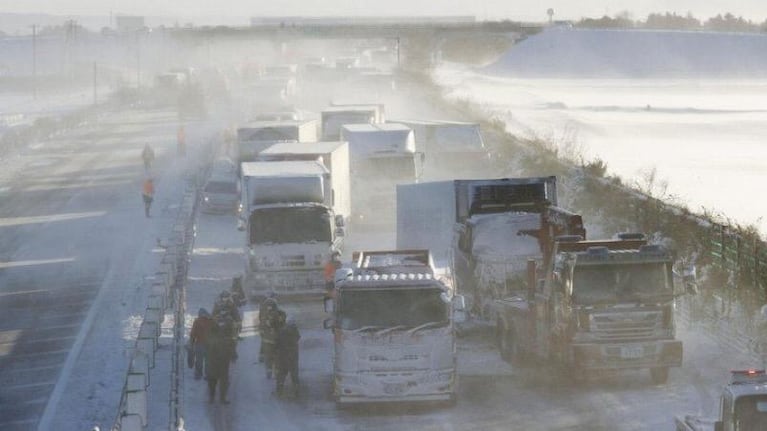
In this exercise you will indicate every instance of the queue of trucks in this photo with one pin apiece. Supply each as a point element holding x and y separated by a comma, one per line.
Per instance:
<point>499,248</point>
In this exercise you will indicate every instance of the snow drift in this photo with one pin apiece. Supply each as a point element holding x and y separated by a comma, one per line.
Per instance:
<point>567,52</point>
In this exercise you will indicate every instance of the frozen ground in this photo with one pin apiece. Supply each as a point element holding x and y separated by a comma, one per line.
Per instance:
<point>703,135</point>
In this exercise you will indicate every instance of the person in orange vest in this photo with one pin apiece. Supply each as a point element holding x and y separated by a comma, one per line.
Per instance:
<point>331,266</point>
<point>181,141</point>
<point>147,192</point>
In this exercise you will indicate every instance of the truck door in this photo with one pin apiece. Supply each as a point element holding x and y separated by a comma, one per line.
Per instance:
<point>461,259</point>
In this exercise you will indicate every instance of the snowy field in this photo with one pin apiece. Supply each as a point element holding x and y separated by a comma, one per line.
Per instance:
<point>703,135</point>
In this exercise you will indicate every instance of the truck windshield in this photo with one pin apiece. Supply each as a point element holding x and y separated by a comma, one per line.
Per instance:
<point>221,187</point>
<point>290,225</point>
<point>398,169</point>
<point>386,308</point>
<point>751,413</point>
<point>611,283</point>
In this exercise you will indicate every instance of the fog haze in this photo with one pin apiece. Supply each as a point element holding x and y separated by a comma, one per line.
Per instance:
<point>531,10</point>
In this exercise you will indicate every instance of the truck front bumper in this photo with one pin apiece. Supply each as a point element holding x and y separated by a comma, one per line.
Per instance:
<point>629,355</point>
<point>296,284</point>
<point>394,387</point>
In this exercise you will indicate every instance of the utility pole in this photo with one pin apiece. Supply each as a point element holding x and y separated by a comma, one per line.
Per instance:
<point>95,83</point>
<point>398,58</point>
<point>34,60</point>
<point>138,61</point>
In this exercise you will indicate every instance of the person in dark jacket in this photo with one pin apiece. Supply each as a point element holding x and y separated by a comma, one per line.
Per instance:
<point>197,339</point>
<point>286,349</point>
<point>265,309</point>
<point>221,353</point>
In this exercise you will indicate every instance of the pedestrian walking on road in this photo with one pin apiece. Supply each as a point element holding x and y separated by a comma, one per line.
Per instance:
<point>267,306</point>
<point>147,155</point>
<point>274,322</point>
<point>198,340</point>
<point>220,354</point>
<point>147,193</point>
<point>287,357</point>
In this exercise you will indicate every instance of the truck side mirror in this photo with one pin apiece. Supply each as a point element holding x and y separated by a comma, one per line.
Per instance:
<point>329,323</point>
<point>718,426</point>
<point>329,305</point>
<point>339,221</point>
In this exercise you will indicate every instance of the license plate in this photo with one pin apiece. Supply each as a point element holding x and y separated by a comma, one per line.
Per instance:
<point>394,388</point>
<point>632,352</point>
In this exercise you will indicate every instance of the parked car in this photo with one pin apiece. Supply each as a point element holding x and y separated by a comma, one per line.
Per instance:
<point>221,195</point>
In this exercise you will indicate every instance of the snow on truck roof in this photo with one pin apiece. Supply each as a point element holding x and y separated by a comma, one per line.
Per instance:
<point>285,169</point>
<point>321,147</point>
<point>351,108</point>
<point>275,124</point>
<point>376,128</point>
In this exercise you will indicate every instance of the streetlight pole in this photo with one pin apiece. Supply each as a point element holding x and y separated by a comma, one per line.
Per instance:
<point>95,83</point>
<point>138,61</point>
<point>34,60</point>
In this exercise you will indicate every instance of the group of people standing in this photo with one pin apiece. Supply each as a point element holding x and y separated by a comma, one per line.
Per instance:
<point>213,341</point>
<point>279,345</point>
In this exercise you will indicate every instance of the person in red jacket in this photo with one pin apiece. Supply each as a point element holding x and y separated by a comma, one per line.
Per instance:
<point>147,193</point>
<point>197,338</point>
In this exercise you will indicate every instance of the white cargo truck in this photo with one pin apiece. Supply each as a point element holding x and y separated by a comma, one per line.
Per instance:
<point>333,155</point>
<point>453,149</point>
<point>334,117</point>
<point>291,229</point>
<point>393,325</point>
<point>256,136</point>
<point>382,156</point>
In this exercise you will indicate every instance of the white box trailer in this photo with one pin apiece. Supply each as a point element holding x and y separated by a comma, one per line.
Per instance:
<point>334,117</point>
<point>254,137</point>
<point>452,148</point>
<point>291,228</point>
<point>382,156</point>
<point>333,155</point>
<point>427,212</point>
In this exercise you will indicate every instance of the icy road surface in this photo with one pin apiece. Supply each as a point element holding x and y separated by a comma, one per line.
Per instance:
<point>492,395</point>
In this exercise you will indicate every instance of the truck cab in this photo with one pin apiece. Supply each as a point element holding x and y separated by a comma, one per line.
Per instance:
<point>394,329</point>
<point>742,406</point>
<point>596,305</point>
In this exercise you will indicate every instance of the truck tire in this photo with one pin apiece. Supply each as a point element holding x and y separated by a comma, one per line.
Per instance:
<point>659,375</point>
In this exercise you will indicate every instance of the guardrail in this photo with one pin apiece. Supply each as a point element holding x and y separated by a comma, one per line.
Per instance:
<point>167,293</point>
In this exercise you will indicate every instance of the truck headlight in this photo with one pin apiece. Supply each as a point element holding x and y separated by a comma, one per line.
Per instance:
<point>205,199</point>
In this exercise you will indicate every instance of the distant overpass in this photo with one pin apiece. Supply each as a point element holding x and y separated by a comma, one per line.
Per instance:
<point>384,29</point>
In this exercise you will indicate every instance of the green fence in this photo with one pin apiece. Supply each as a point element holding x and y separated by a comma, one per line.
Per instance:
<point>743,255</point>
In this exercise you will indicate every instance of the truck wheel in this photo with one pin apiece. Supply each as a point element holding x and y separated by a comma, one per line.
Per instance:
<point>659,375</point>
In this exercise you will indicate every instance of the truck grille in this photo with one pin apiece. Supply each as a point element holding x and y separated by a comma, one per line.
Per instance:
<point>293,261</point>
<point>626,326</point>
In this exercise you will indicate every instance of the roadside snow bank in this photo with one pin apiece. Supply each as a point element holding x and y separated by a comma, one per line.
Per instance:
<point>567,52</point>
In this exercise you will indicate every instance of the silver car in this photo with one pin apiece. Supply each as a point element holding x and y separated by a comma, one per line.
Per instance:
<point>221,195</point>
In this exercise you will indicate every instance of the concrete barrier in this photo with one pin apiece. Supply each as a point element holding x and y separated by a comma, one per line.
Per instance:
<point>147,346</point>
<point>131,423</point>
<point>140,366</point>
<point>135,404</point>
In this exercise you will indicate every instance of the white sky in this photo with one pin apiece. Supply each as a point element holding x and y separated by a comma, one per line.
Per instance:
<point>528,10</point>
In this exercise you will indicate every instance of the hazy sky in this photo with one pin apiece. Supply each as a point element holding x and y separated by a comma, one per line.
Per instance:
<point>533,10</point>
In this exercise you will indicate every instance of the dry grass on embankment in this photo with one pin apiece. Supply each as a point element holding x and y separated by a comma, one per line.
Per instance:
<point>729,257</point>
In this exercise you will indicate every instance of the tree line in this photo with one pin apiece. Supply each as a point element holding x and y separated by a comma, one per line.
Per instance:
<point>671,21</point>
